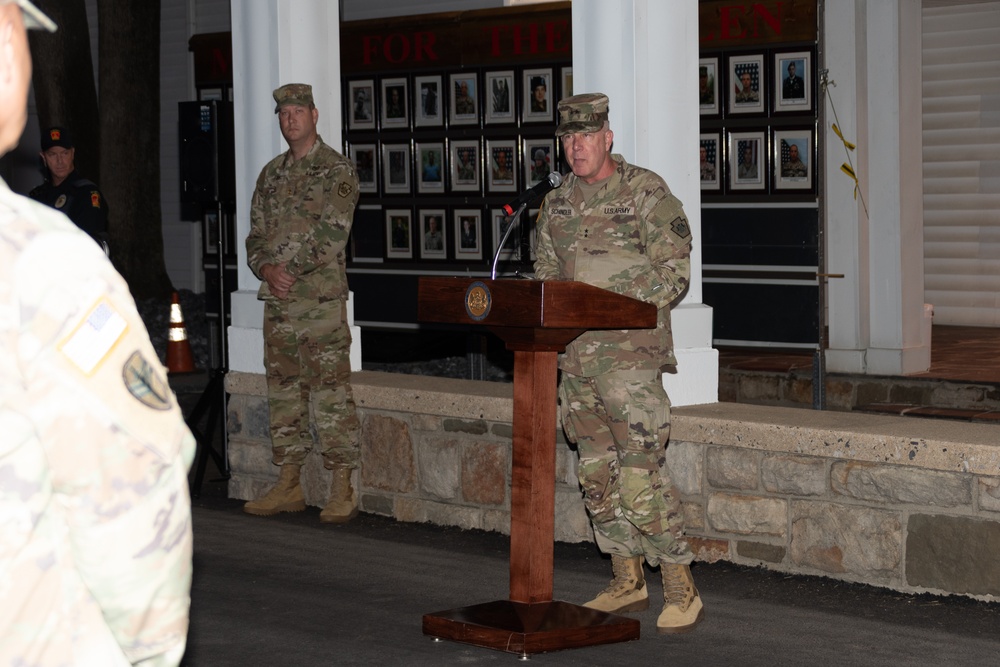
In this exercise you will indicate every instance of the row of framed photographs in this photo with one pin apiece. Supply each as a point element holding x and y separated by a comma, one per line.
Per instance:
<point>436,167</point>
<point>456,234</point>
<point>461,98</point>
<point>748,83</point>
<point>746,159</point>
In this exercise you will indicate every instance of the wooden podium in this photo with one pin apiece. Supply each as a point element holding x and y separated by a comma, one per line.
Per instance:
<point>536,320</point>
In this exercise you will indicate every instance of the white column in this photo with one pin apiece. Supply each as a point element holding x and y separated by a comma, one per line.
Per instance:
<point>644,55</point>
<point>275,42</point>
<point>876,316</point>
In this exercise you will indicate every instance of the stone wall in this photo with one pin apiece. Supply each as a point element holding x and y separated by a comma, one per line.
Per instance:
<point>909,504</point>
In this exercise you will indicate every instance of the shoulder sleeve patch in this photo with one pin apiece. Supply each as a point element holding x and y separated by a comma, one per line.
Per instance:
<point>95,199</point>
<point>345,189</point>
<point>680,228</point>
<point>143,382</point>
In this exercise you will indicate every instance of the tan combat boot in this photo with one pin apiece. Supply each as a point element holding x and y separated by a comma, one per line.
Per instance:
<point>682,609</point>
<point>627,591</point>
<point>343,504</point>
<point>285,496</point>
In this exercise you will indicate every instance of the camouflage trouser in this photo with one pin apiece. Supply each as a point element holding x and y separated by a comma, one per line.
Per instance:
<point>307,361</point>
<point>620,423</point>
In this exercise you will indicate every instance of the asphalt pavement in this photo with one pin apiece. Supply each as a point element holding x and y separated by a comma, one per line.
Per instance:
<point>289,591</point>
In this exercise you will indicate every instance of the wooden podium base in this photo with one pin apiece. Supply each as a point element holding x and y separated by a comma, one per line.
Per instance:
<point>524,628</point>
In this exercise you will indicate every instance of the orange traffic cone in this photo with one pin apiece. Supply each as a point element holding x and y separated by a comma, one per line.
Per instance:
<point>179,357</point>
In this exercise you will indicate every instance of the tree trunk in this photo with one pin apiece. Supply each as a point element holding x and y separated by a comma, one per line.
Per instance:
<point>129,65</point>
<point>65,93</point>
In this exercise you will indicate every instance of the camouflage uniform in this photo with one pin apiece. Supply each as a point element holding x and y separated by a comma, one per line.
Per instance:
<point>95,551</point>
<point>632,238</point>
<point>301,213</point>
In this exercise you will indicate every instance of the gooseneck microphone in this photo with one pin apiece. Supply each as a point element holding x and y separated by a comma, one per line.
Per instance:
<point>513,210</point>
<point>542,188</point>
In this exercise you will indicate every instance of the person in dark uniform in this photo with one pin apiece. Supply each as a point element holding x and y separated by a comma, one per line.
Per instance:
<point>67,191</point>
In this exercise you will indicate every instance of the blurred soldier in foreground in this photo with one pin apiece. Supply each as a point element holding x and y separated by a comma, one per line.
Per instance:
<point>95,551</point>
<point>300,218</point>
<point>616,226</point>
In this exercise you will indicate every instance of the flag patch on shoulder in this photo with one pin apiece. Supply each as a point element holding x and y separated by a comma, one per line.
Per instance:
<point>94,337</point>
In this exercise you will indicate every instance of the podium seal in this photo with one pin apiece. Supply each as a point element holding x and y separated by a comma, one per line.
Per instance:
<point>478,301</point>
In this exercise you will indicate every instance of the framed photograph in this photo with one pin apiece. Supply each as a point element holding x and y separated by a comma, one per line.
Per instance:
<point>793,159</point>
<point>367,240</point>
<point>793,81</point>
<point>537,95</point>
<point>708,86</point>
<point>709,153</point>
<point>362,99</point>
<point>394,104</point>
<point>398,236</point>
<point>539,157</point>
<point>464,99</point>
<point>567,83</point>
<point>465,165</point>
<point>747,161</point>
<point>427,101</point>
<point>501,167</point>
<point>365,165</point>
<point>430,167</point>
<point>433,235</point>
<point>746,80</point>
<point>212,229</point>
<point>468,233</point>
<point>499,102</point>
<point>396,168</point>
<point>500,225</point>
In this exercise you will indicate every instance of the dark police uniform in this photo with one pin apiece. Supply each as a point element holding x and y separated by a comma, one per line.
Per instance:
<point>80,200</point>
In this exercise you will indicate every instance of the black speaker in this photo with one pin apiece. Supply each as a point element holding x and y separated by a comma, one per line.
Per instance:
<point>207,159</point>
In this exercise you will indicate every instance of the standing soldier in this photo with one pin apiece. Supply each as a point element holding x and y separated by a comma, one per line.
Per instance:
<point>95,549</point>
<point>300,218</point>
<point>616,226</point>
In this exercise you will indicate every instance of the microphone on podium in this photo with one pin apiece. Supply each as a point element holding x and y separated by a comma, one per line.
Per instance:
<point>542,188</point>
<point>515,207</point>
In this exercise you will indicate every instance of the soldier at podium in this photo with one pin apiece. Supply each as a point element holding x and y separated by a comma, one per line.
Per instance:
<point>617,226</point>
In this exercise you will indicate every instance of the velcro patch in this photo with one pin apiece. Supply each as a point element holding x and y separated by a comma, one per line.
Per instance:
<point>680,227</point>
<point>95,199</point>
<point>560,211</point>
<point>345,189</point>
<point>143,382</point>
<point>93,338</point>
<point>619,210</point>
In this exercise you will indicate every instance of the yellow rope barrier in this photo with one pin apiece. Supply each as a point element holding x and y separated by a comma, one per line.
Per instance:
<point>847,167</point>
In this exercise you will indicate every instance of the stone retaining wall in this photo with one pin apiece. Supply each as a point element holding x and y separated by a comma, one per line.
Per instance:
<point>909,504</point>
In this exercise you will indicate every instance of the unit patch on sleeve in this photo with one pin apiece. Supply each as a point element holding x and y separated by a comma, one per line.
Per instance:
<point>143,382</point>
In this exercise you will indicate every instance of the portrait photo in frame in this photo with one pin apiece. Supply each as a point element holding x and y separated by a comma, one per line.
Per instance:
<point>365,166</point>
<point>537,95</point>
<point>464,165</point>
<point>746,84</point>
<point>427,101</point>
<point>499,103</point>
<point>793,159</point>
<point>468,231</point>
<point>747,161</point>
<point>464,105</point>
<point>396,168</point>
<point>394,103</point>
<point>708,86</point>
<point>398,236</point>
<point>433,235</point>
<point>793,81</point>
<point>500,224</point>
<point>567,83</point>
<point>430,167</point>
<point>539,156</point>
<point>501,166</point>
<point>709,154</point>
<point>362,98</point>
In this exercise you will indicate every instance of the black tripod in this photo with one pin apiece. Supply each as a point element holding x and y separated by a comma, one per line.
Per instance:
<point>213,401</point>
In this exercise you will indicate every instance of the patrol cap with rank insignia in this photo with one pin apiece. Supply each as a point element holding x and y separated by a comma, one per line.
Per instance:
<point>582,113</point>
<point>298,94</point>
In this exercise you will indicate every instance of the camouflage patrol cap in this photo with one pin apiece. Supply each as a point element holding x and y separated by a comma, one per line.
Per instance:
<point>582,113</point>
<point>299,94</point>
